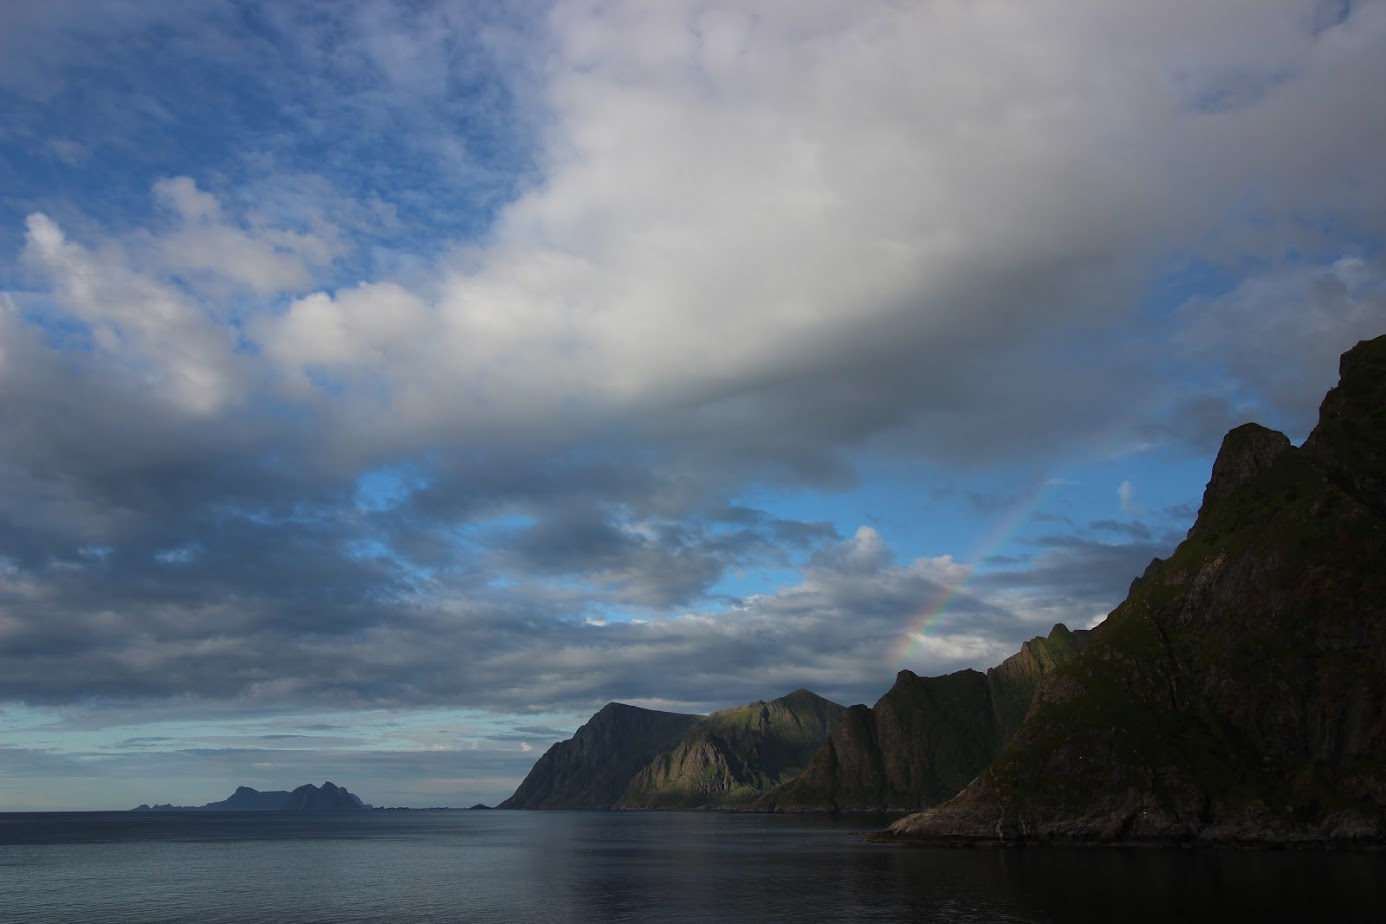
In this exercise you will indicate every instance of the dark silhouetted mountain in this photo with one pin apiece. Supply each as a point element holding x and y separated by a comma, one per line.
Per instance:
<point>593,768</point>
<point>306,798</point>
<point>245,799</point>
<point>330,798</point>
<point>926,738</point>
<point>735,755</point>
<point>1238,694</point>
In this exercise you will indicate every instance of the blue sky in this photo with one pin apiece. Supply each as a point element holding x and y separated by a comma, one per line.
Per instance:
<point>384,387</point>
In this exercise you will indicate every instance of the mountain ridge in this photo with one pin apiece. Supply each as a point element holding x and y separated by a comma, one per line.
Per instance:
<point>926,738</point>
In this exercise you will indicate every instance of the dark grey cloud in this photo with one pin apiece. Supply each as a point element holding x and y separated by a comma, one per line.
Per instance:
<point>1273,342</point>
<point>1131,529</point>
<point>1081,576</point>
<point>507,648</point>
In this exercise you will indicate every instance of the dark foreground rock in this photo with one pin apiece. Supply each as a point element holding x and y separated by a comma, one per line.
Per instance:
<point>926,738</point>
<point>1238,695</point>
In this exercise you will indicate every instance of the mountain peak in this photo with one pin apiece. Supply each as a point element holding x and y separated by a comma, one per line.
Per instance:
<point>1349,442</point>
<point>1246,452</point>
<point>591,769</point>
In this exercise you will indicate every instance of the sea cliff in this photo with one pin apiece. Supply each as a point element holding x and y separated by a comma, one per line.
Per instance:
<point>1238,694</point>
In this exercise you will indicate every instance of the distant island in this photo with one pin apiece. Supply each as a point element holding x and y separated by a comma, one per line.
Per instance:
<point>307,798</point>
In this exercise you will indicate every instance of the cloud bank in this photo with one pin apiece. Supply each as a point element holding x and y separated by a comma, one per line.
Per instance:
<point>439,355</point>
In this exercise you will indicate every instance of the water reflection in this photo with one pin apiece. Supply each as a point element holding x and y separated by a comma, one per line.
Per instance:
<point>646,867</point>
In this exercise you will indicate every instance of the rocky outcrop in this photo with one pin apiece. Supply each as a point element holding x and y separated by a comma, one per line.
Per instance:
<point>1246,453</point>
<point>736,755</point>
<point>1349,443</point>
<point>1238,695</point>
<point>593,768</point>
<point>306,798</point>
<point>329,798</point>
<point>926,738</point>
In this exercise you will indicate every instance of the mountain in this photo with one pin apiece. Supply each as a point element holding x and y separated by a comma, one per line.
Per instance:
<point>306,798</point>
<point>735,755</point>
<point>1238,694</point>
<point>926,738</point>
<point>330,798</point>
<point>245,799</point>
<point>593,768</point>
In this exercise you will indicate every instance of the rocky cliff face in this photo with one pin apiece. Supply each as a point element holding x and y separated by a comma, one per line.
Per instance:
<point>926,738</point>
<point>736,755</point>
<point>1238,695</point>
<point>593,768</point>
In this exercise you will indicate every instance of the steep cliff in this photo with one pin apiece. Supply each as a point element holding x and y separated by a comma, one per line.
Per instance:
<point>926,738</point>
<point>593,768</point>
<point>736,755</point>
<point>1239,693</point>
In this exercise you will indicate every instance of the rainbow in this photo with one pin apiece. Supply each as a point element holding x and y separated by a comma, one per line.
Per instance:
<point>998,535</point>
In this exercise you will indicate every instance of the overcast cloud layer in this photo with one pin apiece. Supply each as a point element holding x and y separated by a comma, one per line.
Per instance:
<point>381,359</point>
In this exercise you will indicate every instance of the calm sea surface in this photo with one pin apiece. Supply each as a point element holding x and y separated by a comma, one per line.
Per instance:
<point>437,866</point>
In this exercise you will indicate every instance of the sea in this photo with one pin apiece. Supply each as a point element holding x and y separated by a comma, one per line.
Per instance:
<point>522,866</point>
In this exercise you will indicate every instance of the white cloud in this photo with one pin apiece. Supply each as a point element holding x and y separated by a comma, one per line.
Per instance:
<point>864,553</point>
<point>962,648</point>
<point>265,260</point>
<point>154,333</point>
<point>191,203</point>
<point>734,201</point>
<point>800,224</point>
<point>1124,493</point>
<point>378,327</point>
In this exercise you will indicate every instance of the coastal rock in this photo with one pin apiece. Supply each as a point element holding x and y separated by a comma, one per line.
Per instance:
<point>1238,695</point>
<point>926,738</point>
<point>592,769</point>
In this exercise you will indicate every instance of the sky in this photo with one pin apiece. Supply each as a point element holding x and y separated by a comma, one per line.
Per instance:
<point>386,386</point>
